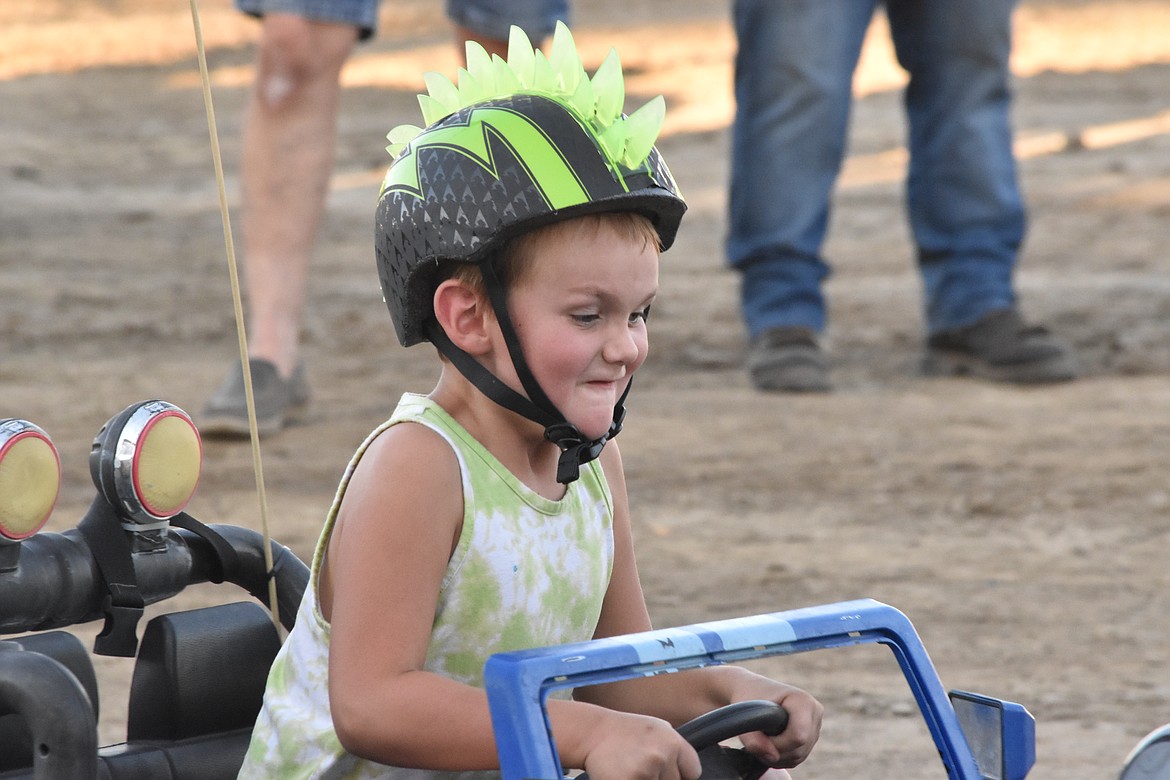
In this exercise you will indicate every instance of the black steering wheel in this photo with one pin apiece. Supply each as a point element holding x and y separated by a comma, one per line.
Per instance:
<point>705,732</point>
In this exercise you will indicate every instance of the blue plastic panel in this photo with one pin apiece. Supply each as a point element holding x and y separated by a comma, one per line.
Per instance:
<point>518,683</point>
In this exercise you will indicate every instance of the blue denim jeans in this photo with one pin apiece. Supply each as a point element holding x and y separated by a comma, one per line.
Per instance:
<point>793,88</point>
<point>490,18</point>
<point>494,18</point>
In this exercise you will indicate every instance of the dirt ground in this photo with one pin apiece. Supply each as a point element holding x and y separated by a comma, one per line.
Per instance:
<point>1025,532</point>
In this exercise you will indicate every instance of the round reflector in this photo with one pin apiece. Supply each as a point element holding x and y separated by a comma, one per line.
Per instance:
<point>30,479</point>
<point>146,461</point>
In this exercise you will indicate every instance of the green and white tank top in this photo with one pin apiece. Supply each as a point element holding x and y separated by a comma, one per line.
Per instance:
<point>526,572</point>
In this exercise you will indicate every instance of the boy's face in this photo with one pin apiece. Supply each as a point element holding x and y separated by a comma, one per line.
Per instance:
<point>579,309</point>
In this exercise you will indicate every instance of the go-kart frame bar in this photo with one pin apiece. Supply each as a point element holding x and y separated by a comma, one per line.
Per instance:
<point>518,683</point>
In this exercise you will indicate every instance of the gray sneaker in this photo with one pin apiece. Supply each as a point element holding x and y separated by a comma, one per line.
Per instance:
<point>278,401</point>
<point>1003,348</point>
<point>788,360</point>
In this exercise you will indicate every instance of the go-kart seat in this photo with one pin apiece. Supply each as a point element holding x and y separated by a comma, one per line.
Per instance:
<point>198,684</point>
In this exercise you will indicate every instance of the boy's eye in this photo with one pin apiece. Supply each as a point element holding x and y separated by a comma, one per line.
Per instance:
<point>640,316</point>
<point>585,319</point>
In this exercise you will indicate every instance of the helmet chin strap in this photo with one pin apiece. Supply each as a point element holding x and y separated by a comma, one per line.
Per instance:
<point>576,450</point>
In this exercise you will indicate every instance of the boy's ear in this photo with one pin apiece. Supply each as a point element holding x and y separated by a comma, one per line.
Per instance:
<point>465,315</point>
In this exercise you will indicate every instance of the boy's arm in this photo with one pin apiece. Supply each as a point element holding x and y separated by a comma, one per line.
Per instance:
<point>395,530</point>
<point>678,698</point>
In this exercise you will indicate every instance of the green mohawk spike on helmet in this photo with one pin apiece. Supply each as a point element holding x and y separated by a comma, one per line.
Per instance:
<point>509,146</point>
<point>561,76</point>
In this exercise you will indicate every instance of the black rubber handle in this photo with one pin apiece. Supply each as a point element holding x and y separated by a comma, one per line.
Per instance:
<point>57,711</point>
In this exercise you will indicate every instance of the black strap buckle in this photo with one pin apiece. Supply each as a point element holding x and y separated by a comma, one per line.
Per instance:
<point>119,636</point>
<point>123,603</point>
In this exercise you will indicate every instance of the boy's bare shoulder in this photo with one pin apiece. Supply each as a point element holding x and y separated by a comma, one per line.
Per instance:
<point>409,459</point>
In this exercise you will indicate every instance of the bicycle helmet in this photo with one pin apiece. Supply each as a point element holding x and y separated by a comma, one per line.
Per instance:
<point>518,144</point>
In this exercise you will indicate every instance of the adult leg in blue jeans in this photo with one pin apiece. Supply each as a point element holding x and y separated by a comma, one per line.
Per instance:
<point>964,204</point>
<point>793,89</point>
<point>793,83</point>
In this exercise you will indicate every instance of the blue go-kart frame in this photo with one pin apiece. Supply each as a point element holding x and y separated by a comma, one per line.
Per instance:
<point>978,737</point>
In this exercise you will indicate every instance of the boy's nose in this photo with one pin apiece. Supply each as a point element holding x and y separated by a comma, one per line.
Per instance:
<point>623,346</point>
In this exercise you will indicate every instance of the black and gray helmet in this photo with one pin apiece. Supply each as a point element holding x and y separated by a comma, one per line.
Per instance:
<point>517,145</point>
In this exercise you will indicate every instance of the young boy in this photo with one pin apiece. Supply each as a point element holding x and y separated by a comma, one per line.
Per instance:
<point>519,233</point>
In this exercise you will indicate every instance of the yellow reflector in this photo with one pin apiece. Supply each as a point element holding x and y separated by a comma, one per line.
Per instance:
<point>30,478</point>
<point>166,464</point>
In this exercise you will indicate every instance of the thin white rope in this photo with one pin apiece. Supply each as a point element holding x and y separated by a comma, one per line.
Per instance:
<point>257,465</point>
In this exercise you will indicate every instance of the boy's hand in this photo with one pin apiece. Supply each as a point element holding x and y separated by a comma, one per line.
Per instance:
<point>639,747</point>
<point>794,744</point>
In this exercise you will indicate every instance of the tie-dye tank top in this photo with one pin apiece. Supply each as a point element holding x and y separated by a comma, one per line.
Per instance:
<point>526,572</point>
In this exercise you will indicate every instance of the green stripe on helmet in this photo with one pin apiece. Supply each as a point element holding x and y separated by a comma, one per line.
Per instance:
<point>542,159</point>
